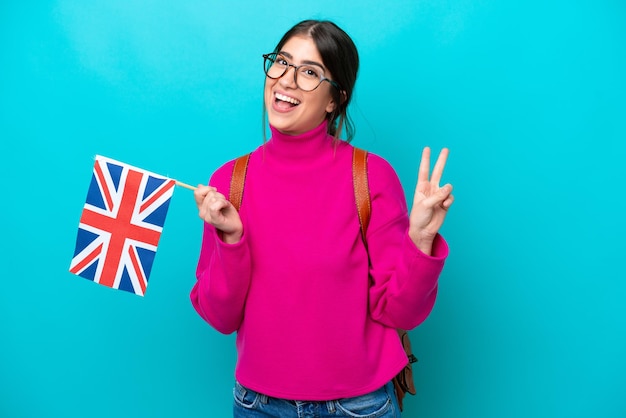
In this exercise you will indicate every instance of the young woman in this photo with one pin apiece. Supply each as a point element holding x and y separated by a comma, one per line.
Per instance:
<point>315,307</point>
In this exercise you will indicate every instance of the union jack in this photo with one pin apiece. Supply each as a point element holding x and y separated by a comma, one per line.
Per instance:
<point>120,225</point>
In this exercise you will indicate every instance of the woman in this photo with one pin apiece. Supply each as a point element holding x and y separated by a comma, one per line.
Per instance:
<point>314,307</point>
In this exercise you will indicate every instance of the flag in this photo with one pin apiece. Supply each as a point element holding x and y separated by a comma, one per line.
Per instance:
<point>120,225</point>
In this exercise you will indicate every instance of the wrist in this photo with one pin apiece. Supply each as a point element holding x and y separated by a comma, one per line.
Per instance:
<point>423,242</point>
<point>232,238</point>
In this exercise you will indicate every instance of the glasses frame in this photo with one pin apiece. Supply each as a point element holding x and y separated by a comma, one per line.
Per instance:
<point>272,58</point>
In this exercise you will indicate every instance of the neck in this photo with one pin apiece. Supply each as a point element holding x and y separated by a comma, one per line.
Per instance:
<point>304,145</point>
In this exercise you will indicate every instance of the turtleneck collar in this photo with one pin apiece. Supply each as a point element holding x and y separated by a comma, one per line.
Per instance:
<point>295,147</point>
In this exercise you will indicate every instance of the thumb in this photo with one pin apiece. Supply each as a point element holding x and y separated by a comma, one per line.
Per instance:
<point>200,193</point>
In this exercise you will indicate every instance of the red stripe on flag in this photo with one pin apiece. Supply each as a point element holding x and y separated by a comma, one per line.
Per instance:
<point>87,260</point>
<point>120,228</point>
<point>104,186</point>
<point>160,193</point>
<point>138,270</point>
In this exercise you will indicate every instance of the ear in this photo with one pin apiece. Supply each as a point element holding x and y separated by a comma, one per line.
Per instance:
<point>332,105</point>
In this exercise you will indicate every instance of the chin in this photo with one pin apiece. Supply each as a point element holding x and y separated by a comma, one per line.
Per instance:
<point>282,125</point>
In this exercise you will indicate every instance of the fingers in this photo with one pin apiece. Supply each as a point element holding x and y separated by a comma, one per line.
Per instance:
<point>448,202</point>
<point>442,198</point>
<point>215,209</point>
<point>214,202</point>
<point>424,169</point>
<point>431,202</point>
<point>201,192</point>
<point>210,202</point>
<point>439,166</point>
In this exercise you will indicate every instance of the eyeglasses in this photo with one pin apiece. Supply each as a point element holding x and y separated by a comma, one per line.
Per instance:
<point>307,77</point>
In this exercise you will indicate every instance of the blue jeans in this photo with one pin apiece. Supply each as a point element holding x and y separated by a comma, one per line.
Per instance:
<point>381,403</point>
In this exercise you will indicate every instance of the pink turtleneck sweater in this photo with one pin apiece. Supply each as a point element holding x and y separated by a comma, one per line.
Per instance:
<point>314,319</point>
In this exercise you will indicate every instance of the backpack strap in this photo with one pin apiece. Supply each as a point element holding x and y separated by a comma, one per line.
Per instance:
<point>361,188</point>
<point>359,177</point>
<point>403,381</point>
<point>235,194</point>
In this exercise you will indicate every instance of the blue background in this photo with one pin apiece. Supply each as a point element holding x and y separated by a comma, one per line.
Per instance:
<point>528,95</point>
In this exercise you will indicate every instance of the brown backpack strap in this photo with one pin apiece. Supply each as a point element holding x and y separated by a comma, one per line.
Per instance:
<point>403,382</point>
<point>361,188</point>
<point>235,195</point>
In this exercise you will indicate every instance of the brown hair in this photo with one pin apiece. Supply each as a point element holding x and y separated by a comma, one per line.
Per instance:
<point>341,57</point>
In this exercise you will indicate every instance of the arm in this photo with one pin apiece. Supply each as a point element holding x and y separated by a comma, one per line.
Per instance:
<point>223,275</point>
<point>403,277</point>
<point>223,270</point>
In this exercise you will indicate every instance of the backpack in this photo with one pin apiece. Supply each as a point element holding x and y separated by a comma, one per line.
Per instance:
<point>403,381</point>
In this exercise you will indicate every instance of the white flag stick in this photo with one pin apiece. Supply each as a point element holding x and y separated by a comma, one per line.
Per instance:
<point>186,186</point>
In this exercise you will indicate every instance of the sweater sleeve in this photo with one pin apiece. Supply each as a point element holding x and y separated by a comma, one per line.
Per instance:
<point>404,280</point>
<point>223,271</point>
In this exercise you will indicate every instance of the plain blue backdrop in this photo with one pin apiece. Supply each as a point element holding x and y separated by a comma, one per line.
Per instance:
<point>528,95</point>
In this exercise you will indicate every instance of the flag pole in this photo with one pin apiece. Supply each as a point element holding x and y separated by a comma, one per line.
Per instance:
<point>186,186</point>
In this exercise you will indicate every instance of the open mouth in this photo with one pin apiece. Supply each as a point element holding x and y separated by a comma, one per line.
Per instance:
<point>283,101</point>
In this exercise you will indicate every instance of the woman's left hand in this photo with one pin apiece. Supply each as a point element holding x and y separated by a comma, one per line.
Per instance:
<point>430,203</point>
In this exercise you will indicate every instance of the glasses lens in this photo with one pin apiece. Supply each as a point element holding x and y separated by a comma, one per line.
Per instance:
<point>274,68</point>
<point>308,77</point>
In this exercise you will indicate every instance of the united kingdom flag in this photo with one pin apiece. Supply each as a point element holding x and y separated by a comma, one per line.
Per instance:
<point>120,225</point>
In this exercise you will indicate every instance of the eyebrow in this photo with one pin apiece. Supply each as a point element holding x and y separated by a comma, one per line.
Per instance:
<point>308,62</point>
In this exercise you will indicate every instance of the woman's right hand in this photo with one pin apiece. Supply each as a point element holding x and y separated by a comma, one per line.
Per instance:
<point>215,209</point>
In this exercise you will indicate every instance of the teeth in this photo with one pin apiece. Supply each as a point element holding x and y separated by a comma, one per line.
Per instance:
<point>287,99</point>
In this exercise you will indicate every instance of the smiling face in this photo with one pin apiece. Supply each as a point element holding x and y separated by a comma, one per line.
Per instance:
<point>289,109</point>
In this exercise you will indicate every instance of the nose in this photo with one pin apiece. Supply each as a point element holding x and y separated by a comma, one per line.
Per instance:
<point>286,79</point>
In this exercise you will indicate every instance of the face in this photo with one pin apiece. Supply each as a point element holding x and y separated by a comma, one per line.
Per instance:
<point>291,110</point>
